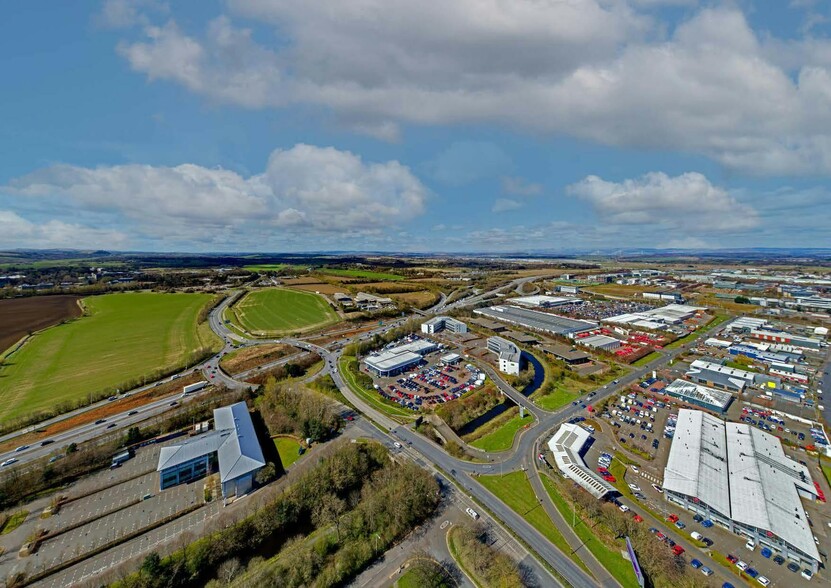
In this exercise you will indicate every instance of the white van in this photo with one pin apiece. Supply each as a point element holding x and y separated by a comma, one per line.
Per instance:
<point>696,536</point>
<point>472,513</point>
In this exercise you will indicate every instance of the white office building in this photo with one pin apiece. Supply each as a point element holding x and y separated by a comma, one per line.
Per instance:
<point>566,445</point>
<point>436,324</point>
<point>510,356</point>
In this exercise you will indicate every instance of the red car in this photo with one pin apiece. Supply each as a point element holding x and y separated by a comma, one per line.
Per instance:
<point>673,518</point>
<point>660,536</point>
<point>677,550</point>
<point>732,558</point>
<point>610,478</point>
<point>638,518</point>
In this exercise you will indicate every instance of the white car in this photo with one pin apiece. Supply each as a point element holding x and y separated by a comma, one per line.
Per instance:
<point>658,489</point>
<point>623,508</point>
<point>807,574</point>
<point>762,580</point>
<point>635,487</point>
<point>8,462</point>
<point>472,513</point>
<point>741,565</point>
<point>636,470</point>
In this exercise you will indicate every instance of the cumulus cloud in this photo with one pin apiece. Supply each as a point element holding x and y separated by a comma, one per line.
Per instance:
<point>16,231</point>
<point>119,14</point>
<point>688,201</point>
<point>600,71</point>
<point>304,190</point>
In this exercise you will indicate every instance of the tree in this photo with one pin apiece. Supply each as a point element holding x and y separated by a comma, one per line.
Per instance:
<point>266,475</point>
<point>133,436</point>
<point>228,570</point>
<point>741,300</point>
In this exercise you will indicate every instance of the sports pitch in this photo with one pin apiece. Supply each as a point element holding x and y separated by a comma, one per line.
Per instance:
<point>272,311</point>
<point>122,338</point>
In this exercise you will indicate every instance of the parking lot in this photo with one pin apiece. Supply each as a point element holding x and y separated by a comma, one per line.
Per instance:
<point>643,479</point>
<point>103,508</point>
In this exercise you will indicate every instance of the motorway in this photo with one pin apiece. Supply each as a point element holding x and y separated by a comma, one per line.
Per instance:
<point>422,450</point>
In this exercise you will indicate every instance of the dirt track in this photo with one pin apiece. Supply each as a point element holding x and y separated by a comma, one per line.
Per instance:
<point>18,316</point>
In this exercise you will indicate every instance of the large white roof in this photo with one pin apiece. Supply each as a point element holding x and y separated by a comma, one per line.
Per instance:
<point>566,445</point>
<point>697,464</point>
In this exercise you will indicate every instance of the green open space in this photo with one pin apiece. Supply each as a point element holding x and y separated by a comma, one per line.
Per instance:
<point>646,359</point>
<point>272,311</point>
<point>121,341</point>
<point>349,371</point>
<point>515,490</point>
<point>367,274</point>
<point>502,437</point>
<point>609,558</point>
<point>717,320</point>
<point>14,521</point>
<point>289,450</point>
<point>269,267</point>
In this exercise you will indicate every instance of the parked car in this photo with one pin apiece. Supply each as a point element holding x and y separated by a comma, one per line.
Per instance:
<point>696,564</point>
<point>635,487</point>
<point>658,489</point>
<point>707,524</point>
<point>732,558</point>
<point>793,567</point>
<point>778,559</point>
<point>707,541</point>
<point>766,552</point>
<point>807,574</point>
<point>680,524</point>
<point>763,581</point>
<point>752,572</point>
<point>698,518</point>
<point>706,571</point>
<point>742,566</point>
<point>677,550</point>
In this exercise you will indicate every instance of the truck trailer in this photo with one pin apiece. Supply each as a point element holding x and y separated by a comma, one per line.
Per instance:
<point>191,388</point>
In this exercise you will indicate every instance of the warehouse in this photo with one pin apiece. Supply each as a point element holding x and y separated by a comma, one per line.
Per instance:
<point>707,398</point>
<point>566,353</point>
<point>232,447</point>
<point>436,324</point>
<point>537,320</point>
<point>784,337</point>
<point>667,296</point>
<point>602,342</point>
<point>393,361</point>
<point>510,356</point>
<point>657,318</point>
<point>566,445</point>
<point>726,378</point>
<point>739,477</point>
<point>543,301</point>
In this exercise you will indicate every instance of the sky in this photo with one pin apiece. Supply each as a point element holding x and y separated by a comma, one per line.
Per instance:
<point>396,125</point>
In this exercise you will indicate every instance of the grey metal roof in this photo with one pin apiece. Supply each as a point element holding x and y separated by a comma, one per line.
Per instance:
<point>700,393</point>
<point>566,445</point>
<point>389,360</point>
<point>535,319</point>
<point>234,441</point>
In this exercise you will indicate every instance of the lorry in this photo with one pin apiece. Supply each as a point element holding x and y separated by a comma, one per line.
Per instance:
<point>191,388</point>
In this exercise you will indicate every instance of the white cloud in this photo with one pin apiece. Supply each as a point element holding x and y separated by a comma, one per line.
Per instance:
<point>688,202</point>
<point>16,231</point>
<point>505,204</point>
<point>594,70</point>
<point>119,14</point>
<point>304,191</point>
<point>520,187</point>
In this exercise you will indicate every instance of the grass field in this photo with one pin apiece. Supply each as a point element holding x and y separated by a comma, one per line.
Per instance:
<point>276,310</point>
<point>124,338</point>
<point>288,449</point>
<point>269,267</point>
<point>363,274</point>
<point>609,558</point>
<point>515,490</point>
<point>646,359</point>
<point>502,438</point>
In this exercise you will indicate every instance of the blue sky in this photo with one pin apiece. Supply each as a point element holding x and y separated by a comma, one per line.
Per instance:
<point>464,125</point>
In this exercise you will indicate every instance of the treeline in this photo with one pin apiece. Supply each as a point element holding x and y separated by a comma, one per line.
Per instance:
<point>296,368</point>
<point>459,412</point>
<point>359,501</point>
<point>490,567</point>
<point>291,409</point>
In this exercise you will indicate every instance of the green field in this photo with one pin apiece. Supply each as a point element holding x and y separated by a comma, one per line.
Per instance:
<point>515,490</point>
<point>502,437</point>
<point>367,274</point>
<point>272,311</point>
<point>269,267</point>
<point>122,339</point>
<point>646,359</point>
<point>288,449</point>
<point>610,559</point>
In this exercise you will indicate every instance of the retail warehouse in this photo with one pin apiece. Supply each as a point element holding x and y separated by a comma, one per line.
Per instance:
<point>566,445</point>
<point>395,360</point>
<point>740,478</point>
<point>232,447</point>
<point>537,320</point>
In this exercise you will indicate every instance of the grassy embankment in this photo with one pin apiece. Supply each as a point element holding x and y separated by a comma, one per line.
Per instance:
<point>348,366</point>
<point>123,340</point>
<point>502,431</point>
<point>276,311</point>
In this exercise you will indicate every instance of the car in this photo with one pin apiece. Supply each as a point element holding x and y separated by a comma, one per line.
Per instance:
<point>707,541</point>
<point>623,508</point>
<point>349,417</point>
<point>766,552</point>
<point>615,381</point>
<point>763,581</point>
<point>672,518</point>
<point>658,489</point>
<point>732,558</point>
<point>752,572</point>
<point>111,425</point>
<point>707,524</point>
<point>706,571</point>
<point>22,448</point>
<point>46,442</point>
<point>741,565</point>
<point>111,398</point>
<point>660,536</point>
<point>670,542</point>
<point>8,462</point>
<point>680,524</point>
<point>653,530</point>
<point>698,518</point>
<point>132,412</point>
<point>696,564</point>
<point>639,496</point>
<point>807,574</point>
<point>793,567</point>
<point>778,559</point>
<point>751,545</point>
<point>100,421</point>
<point>635,469</point>
<point>677,549</point>
<point>635,487</point>
<point>397,445</point>
<point>631,435</point>
<point>727,585</point>
<point>55,458</point>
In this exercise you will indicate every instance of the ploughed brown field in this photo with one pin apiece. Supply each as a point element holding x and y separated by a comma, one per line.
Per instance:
<point>18,316</point>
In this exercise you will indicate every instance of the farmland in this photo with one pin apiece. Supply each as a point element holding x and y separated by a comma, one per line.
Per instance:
<point>19,316</point>
<point>121,340</point>
<point>361,274</point>
<point>273,311</point>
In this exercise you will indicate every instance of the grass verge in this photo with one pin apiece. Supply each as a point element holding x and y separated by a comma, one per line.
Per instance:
<point>646,359</point>
<point>502,437</point>
<point>14,521</point>
<point>348,366</point>
<point>289,450</point>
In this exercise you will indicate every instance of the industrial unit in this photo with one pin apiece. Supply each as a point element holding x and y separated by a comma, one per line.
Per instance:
<point>436,324</point>
<point>232,446</point>
<point>739,477</point>
<point>657,318</point>
<point>566,445</point>
<point>537,320</point>
<point>602,342</point>
<point>543,301</point>
<point>699,395</point>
